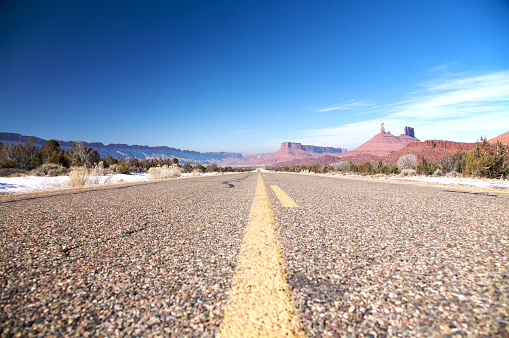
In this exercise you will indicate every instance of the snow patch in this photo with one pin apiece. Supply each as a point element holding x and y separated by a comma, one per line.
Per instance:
<point>16,185</point>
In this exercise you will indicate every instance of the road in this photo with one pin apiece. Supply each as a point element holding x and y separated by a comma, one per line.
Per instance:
<point>178,257</point>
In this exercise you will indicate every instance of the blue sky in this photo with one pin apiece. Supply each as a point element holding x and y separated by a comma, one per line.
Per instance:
<point>245,76</point>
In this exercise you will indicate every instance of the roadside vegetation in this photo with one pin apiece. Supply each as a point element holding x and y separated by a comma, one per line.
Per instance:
<point>85,165</point>
<point>484,161</point>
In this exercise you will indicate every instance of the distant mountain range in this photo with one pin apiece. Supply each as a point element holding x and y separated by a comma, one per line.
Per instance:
<point>383,146</point>
<point>128,151</point>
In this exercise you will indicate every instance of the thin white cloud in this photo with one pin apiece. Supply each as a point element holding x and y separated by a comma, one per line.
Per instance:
<point>443,68</point>
<point>248,131</point>
<point>459,107</point>
<point>456,97</point>
<point>347,105</point>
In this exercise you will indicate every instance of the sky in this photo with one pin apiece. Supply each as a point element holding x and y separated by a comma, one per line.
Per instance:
<point>244,76</point>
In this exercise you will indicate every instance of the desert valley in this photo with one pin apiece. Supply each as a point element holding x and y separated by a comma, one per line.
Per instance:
<point>383,146</point>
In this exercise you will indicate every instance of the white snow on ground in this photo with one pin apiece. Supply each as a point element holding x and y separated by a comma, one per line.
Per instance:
<point>191,174</point>
<point>470,182</point>
<point>16,185</point>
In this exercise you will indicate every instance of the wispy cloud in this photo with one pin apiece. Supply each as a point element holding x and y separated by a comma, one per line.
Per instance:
<point>458,107</point>
<point>248,131</point>
<point>454,97</point>
<point>346,105</point>
<point>443,68</point>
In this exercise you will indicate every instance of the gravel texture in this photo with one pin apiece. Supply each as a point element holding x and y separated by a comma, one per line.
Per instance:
<point>378,259</point>
<point>137,259</point>
<point>362,258</point>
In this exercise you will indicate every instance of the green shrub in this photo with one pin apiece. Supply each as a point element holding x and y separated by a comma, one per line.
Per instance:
<point>122,168</point>
<point>486,160</point>
<point>451,163</point>
<point>365,168</point>
<point>382,168</point>
<point>425,168</point>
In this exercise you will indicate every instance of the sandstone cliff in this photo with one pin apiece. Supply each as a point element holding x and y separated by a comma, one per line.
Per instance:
<point>291,151</point>
<point>384,143</point>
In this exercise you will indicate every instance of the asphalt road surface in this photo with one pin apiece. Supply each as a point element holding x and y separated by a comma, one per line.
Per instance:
<point>352,257</point>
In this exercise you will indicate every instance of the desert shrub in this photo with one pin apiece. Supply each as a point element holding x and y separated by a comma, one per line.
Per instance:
<point>78,176</point>
<point>122,168</point>
<point>49,169</point>
<point>451,163</point>
<point>196,172</point>
<point>438,172</point>
<point>109,161</point>
<point>453,174</point>
<point>485,160</point>
<point>200,168</point>
<point>157,173</point>
<point>187,168</point>
<point>408,172</point>
<point>382,168</point>
<point>212,168</point>
<point>425,168</point>
<point>408,161</point>
<point>110,170</point>
<point>98,169</point>
<point>365,168</point>
<point>341,166</point>
<point>12,172</point>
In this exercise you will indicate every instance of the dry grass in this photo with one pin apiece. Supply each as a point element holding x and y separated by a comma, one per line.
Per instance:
<point>78,177</point>
<point>158,173</point>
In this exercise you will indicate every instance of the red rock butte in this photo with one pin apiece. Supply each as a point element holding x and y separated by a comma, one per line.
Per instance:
<point>292,150</point>
<point>385,143</point>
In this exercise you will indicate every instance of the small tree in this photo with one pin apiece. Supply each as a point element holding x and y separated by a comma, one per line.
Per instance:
<point>212,168</point>
<point>425,168</point>
<point>122,168</point>
<point>451,163</point>
<point>486,160</point>
<point>77,154</point>
<point>408,161</point>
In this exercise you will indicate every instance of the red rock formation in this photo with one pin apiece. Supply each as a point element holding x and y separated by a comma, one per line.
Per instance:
<point>290,151</point>
<point>504,138</point>
<point>432,150</point>
<point>384,143</point>
<point>442,145</point>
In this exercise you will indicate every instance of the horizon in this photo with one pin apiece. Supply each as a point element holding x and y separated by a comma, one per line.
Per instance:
<point>245,77</point>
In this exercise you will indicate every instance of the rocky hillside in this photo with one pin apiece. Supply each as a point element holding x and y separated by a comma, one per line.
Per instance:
<point>504,138</point>
<point>432,150</point>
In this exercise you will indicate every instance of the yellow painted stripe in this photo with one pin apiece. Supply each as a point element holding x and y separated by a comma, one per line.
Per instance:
<point>285,200</point>
<point>259,302</point>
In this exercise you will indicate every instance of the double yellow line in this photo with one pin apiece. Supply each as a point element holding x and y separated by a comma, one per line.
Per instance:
<point>259,303</point>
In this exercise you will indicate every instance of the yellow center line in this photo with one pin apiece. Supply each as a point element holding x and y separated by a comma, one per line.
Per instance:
<point>259,302</point>
<point>285,200</point>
